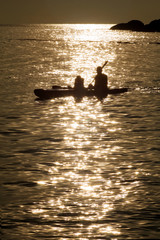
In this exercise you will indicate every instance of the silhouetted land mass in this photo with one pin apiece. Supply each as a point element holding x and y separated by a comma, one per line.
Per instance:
<point>138,26</point>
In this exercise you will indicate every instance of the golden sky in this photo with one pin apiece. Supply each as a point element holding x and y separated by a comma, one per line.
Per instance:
<point>77,11</point>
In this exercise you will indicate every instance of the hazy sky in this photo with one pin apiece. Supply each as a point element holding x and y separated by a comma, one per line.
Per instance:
<point>77,11</point>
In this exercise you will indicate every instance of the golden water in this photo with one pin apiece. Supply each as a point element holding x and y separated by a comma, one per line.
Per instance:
<point>79,170</point>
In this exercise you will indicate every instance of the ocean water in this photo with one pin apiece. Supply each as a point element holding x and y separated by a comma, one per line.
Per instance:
<point>79,170</point>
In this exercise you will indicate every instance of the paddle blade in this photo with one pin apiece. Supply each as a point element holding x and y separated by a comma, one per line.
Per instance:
<point>104,64</point>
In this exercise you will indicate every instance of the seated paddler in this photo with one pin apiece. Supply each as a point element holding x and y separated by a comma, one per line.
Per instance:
<point>79,83</point>
<point>101,81</point>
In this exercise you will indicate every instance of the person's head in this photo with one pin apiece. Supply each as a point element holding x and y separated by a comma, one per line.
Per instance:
<point>99,70</point>
<point>78,78</point>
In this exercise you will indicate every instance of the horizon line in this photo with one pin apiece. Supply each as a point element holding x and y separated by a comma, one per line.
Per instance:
<point>22,24</point>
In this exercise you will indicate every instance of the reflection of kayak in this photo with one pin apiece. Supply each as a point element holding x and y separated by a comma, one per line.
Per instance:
<point>64,92</point>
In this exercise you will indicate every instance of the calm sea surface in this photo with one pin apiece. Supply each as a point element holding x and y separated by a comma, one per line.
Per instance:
<point>79,170</point>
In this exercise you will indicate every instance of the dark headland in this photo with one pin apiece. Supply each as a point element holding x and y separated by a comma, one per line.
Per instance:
<point>138,26</point>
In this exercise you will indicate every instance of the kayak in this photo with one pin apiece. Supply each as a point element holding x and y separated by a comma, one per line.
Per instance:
<point>65,92</point>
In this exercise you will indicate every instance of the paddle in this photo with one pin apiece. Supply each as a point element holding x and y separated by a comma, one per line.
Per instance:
<point>104,64</point>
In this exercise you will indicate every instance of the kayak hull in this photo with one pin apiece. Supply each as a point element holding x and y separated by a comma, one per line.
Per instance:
<point>56,93</point>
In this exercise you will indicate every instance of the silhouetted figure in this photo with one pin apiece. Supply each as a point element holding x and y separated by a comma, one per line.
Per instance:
<point>101,81</point>
<point>79,83</point>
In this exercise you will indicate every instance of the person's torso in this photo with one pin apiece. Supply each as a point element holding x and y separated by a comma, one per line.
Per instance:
<point>101,81</point>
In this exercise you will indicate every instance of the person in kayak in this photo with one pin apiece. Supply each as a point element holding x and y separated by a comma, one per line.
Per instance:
<point>79,83</point>
<point>101,81</point>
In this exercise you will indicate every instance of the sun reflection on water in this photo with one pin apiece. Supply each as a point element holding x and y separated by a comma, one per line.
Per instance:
<point>86,195</point>
<point>87,181</point>
<point>84,59</point>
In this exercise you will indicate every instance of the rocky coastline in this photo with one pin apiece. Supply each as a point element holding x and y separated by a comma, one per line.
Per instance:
<point>138,26</point>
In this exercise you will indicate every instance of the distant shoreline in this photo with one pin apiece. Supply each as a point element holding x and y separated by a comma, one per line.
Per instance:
<point>138,26</point>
